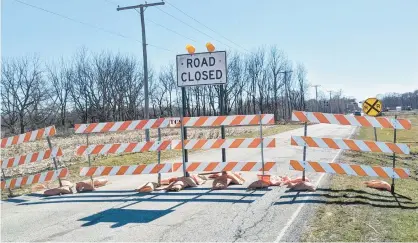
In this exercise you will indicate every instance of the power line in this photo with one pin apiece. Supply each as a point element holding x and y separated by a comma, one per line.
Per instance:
<point>89,25</point>
<point>207,27</point>
<point>162,26</point>
<point>192,27</point>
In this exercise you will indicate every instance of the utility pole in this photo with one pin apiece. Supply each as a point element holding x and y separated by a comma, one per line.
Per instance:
<point>316,96</point>
<point>144,55</point>
<point>286,94</point>
<point>330,107</point>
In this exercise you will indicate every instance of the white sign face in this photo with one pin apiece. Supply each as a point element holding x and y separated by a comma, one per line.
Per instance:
<point>201,68</point>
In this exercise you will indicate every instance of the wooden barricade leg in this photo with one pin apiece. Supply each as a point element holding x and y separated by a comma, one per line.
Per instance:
<point>159,156</point>
<point>4,178</point>
<point>53,158</point>
<point>88,159</point>
<point>305,133</point>
<point>394,159</point>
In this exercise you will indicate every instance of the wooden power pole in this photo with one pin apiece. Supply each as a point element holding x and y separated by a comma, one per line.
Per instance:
<point>144,55</point>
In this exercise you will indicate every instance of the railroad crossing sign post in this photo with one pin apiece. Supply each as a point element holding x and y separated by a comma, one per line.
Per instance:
<point>372,107</point>
<point>205,68</point>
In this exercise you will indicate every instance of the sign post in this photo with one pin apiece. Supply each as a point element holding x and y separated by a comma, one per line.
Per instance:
<point>372,107</point>
<point>205,68</point>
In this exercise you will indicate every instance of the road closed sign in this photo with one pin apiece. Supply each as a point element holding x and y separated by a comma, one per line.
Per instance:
<point>201,68</point>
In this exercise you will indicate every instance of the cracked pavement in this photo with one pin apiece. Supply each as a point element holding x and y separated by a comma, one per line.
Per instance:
<point>117,213</point>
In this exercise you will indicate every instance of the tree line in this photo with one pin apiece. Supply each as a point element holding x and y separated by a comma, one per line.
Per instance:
<point>99,87</point>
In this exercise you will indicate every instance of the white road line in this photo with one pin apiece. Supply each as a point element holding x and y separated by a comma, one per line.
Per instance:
<point>296,213</point>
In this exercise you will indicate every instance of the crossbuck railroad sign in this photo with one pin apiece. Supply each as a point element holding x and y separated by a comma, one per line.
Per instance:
<point>372,107</point>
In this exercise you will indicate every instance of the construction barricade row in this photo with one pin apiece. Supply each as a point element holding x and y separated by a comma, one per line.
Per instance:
<point>350,144</point>
<point>33,179</point>
<point>363,121</point>
<point>349,169</point>
<point>52,153</point>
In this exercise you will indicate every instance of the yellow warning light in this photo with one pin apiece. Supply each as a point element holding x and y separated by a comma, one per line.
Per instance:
<point>210,47</point>
<point>190,49</point>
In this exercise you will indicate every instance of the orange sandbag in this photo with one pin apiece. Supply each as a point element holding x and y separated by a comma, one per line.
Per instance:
<point>377,184</point>
<point>148,187</point>
<point>58,191</point>
<point>234,178</point>
<point>258,184</point>
<point>177,186</point>
<point>168,180</point>
<point>66,183</point>
<point>39,187</point>
<point>221,182</point>
<point>275,180</point>
<point>84,186</point>
<point>99,182</point>
<point>214,176</point>
<point>302,186</point>
<point>197,179</point>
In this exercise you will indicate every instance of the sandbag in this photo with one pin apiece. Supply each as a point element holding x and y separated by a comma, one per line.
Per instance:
<point>378,184</point>
<point>258,184</point>
<point>197,179</point>
<point>214,176</point>
<point>39,187</point>
<point>176,186</point>
<point>100,182</point>
<point>58,191</point>
<point>275,180</point>
<point>84,186</point>
<point>168,181</point>
<point>234,178</point>
<point>67,183</point>
<point>148,187</point>
<point>221,182</point>
<point>302,186</point>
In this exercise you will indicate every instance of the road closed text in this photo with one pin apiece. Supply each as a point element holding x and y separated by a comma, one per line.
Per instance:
<point>207,68</point>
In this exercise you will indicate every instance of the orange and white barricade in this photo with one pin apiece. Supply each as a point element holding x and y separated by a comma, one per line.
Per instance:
<point>51,153</point>
<point>126,170</point>
<point>350,144</point>
<point>117,148</point>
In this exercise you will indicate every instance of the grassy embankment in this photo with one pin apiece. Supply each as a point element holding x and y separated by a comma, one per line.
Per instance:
<point>353,212</point>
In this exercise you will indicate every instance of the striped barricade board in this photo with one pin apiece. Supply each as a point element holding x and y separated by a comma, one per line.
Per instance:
<point>349,169</point>
<point>30,158</point>
<point>362,121</point>
<point>350,144</point>
<point>28,136</point>
<point>224,143</point>
<point>33,179</point>
<point>122,126</point>
<point>201,121</point>
<point>225,166</point>
<point>126,170</point>
<point>234,120</point>
<point>117,148</point>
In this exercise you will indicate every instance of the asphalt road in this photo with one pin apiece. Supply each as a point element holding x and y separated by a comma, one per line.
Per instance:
<point>116,213</point>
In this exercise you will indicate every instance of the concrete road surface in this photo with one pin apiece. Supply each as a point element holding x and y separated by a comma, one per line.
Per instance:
<point>116,213</point>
